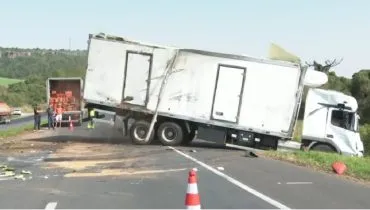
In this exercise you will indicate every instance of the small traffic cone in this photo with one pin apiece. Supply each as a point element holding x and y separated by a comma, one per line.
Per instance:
<point>70,125</point>
<point>192,199</point>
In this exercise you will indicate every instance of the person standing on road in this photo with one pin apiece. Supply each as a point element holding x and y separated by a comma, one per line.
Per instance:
<point>37,118</point>
<point>58,118</point>
<point>50,113</point>
<point>91,118</point>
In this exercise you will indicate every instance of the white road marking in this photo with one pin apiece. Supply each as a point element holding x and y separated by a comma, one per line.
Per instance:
<point>51,205</point>
<point>296,183</point>
<point>299,183</point>
<point>234,181</point>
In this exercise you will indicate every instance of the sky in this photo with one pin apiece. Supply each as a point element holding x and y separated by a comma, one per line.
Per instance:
<point>311,29</point>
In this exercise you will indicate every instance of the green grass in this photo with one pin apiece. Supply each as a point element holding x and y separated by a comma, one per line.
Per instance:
<point>358,168</point>
<point>18,130</point>
<point>8,81</point>
<point>298,131</point>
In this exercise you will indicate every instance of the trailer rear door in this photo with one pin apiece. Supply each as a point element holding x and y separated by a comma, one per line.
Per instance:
<point>137,77</point>
<point>227,96</point>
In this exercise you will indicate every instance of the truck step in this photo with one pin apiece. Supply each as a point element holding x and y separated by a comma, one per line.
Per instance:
<point>106,121</point>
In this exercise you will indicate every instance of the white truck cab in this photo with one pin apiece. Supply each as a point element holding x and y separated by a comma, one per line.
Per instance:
<point>331,123</point>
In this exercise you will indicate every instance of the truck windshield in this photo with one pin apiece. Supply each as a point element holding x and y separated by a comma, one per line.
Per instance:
<point>344,119</point>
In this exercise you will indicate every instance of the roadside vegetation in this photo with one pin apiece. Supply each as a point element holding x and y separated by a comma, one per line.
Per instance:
<point>23,77</point>
<point>358,168</point>
<point>14,131</point>
<point>8,81</point>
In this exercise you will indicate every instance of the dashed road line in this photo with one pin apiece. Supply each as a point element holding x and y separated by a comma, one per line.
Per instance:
<point>299,183</point>
<point>234,181</point>
<point>51,205</point>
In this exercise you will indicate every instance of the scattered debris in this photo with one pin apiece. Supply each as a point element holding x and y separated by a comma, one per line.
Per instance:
<point>250,154</point>
<point>10,172</point>
<point>25,172</point>
<point>20,176</point>
<point>220,168</point>
<point>9,169</point>
<point>119,172</point>
<point>7,174</point>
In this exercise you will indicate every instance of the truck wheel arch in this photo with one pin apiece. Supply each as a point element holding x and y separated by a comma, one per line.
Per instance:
<point>326,144</point>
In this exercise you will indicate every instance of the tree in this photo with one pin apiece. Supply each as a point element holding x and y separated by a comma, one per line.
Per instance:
<point>324,68</point>
<point>360,89</point>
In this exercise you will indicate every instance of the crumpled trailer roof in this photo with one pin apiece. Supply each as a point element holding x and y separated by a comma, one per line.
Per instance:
<point>190,50</point>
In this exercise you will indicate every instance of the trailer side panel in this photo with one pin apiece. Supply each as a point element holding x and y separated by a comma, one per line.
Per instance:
<point>261,100</point>
<point>268,92</point>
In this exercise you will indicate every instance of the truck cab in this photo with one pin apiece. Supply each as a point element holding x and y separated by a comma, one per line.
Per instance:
<point>331,123</point>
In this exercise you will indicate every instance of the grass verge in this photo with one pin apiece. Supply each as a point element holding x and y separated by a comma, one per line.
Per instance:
<point>19,130</point>
<point>298,131</point>
<point>358,168</point>
<point>8,81</point>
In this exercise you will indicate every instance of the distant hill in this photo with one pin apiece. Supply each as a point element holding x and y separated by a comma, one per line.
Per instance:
<point>23,72</point>
<point>21,63</point>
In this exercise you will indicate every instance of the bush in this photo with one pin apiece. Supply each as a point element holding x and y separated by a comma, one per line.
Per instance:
<point>365,137</point>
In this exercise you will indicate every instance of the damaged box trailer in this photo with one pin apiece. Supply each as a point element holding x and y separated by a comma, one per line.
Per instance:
<point>225,98</point>
<point>173,93</point>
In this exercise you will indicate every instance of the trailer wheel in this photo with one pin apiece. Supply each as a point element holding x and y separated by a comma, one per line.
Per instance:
<point>138,132</point>
<point>170,134</point>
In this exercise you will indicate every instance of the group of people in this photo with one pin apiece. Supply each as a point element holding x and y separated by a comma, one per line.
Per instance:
<point>54,116</point>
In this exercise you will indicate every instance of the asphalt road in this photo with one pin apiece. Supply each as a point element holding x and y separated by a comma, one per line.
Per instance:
<point>99,169</point>
<point>22,121</point>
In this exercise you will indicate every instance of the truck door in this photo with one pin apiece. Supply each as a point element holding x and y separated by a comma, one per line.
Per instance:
<point>137,78</point>
<point>228,92</point>
<point>340,130</point>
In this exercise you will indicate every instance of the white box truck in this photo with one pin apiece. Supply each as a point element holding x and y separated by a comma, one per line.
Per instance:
<point>174,93</point>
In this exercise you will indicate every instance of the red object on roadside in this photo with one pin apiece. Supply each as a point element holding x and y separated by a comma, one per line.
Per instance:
<point>339,167</point>
<point>192,198</point>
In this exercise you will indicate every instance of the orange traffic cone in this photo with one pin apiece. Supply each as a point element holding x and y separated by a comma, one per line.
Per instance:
<point>192,199</point>
<point>70,125</point>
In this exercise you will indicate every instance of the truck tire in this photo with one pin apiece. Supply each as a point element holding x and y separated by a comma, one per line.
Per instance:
<point>138,132</point>
<point>170,134</point>
<point>323,148</point>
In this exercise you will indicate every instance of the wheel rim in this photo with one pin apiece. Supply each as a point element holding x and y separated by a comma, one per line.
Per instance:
<point>140,133</point>
<point>169,134</point>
